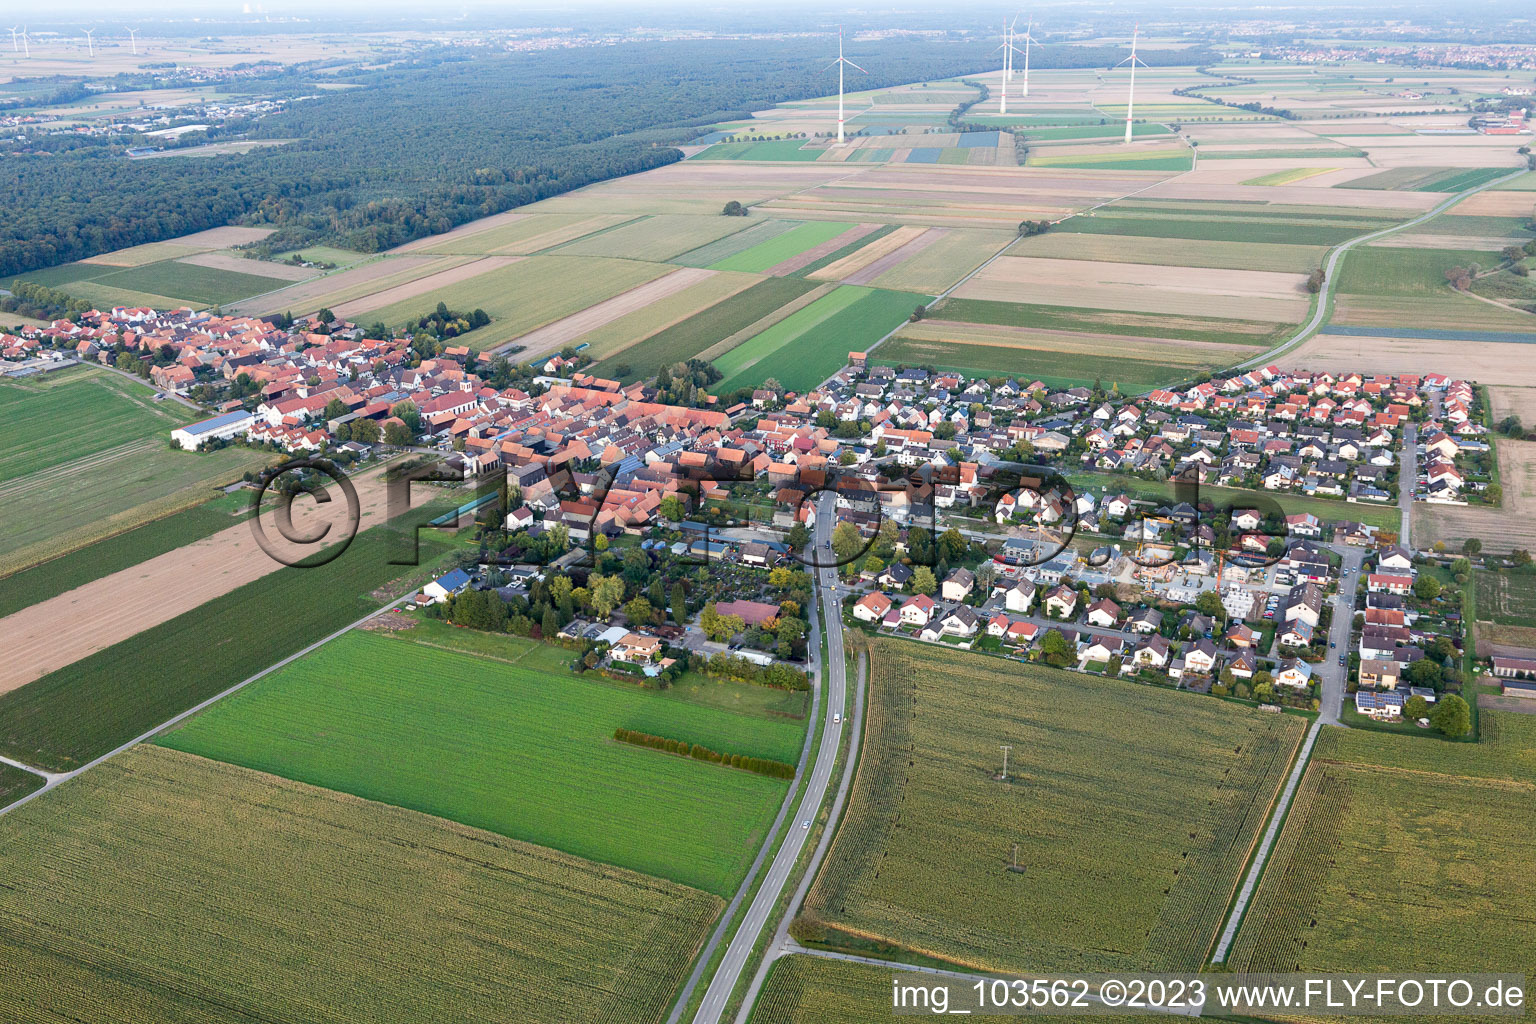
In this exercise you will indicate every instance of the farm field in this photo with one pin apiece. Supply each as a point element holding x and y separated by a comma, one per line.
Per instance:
<point>515,233</point>
<point>1160,159</point>
<point>811,344</point>
<point>15,784</point>
<point>1250,294</point>
<point>785,246</point>
<point>633,328</point>
<point>1225,227</point>
<point>1446,310</point>
<point>943,261</point>
<point>1383,271</point>
<point>803,989</point>
<point>1296,259</point>
<point>93,705</point>
<point>57,575</point>
<point>358,282</point>
<point>768,149</point>
<point>1136,364</point>
<point>166,887</point>
<point>86,456</point>
<point>690,337</point>
<point>1134,836</point>
<point>1512,525</point>
<point>524,749</point>
<point>176,280</point>
<point>1221,330</point>
<point>524,295</point>
<point>1370,876</point>
<point>1507,598</point>
<point>656,239</point>
<point>758,231</point>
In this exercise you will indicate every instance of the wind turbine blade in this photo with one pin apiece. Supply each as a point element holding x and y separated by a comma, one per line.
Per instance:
<point>854,66</point>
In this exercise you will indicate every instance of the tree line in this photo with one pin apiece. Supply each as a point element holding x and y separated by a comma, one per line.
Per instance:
<point>759,765</point>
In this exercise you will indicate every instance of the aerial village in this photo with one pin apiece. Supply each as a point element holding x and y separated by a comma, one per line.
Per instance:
<point>995,514</point>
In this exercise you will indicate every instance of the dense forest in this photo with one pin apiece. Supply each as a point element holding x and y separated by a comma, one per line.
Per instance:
<point>419,148</point>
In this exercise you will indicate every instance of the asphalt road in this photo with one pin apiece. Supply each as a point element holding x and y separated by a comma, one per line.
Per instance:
<point>1407,481</point>
<point>1330,673</point>
<point>832,684</point>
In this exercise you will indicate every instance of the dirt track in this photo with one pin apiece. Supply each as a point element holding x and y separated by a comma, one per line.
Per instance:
<point>79,622</point>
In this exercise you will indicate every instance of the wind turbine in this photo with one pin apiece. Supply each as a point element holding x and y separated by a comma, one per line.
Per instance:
<point>841,60</point>
<point>26,42</point>
<point>133,40</point>
<point>1007,48</point>
<point>1130,96</point>
<point>15,46</point>
<point>90,43</point>
<point>1028,38</point>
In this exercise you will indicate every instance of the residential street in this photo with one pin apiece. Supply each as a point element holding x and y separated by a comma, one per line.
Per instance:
<point>1407,480</point>
<point>1330,673</point>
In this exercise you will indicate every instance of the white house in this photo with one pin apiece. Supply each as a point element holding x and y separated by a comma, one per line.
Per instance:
<point>1020,597</point>
<point>871,607</point>
<point>231,424</point>
<point>444,587</point>
<point>917,611</point>
<point>1294,673</point>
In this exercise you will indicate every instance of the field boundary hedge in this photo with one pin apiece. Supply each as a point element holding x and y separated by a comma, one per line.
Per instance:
<point>682,748</point>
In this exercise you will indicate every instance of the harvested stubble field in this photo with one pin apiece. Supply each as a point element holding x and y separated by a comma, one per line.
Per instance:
<point>1507,598</point>
<point>554,336</point>
<point>82,441</point>
<point>332,290</point>
<point>1448,310</point>
<point>138,255</point>
<point>1512,525</point>
<point>634,328</point>
<point>1506,401</point>
<point>1259,227</point>
<point>524,295</point>
<point>1133,835</point>
<point>1218,330</point>
<point>164,887</point>
<point>943,261</point>
<point>1403,853</point>
<point>516,234</point>
<point>1250,294</point>
<point>1297,259</point>
<point>166,665</point>
<point>523,748</point>
<point>427,284</point>
<point>691,337</point>
<point>131,547</point>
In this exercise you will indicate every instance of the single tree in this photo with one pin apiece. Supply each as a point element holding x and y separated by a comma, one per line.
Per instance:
<point>1452,716</point>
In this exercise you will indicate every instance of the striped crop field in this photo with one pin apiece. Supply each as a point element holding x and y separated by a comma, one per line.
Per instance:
<point>166,887</point>
<point>811,344</point>
<point>779,248</point>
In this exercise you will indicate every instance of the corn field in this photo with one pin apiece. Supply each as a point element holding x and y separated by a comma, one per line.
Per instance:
<point>164,887</point>
<point>1133,809</point>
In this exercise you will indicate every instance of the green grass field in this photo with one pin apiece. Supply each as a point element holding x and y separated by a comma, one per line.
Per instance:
<point>65,416</point>
<point>1508,598</point>
<point>783,246</point>
<point>684,340</point>
<point>1373,271</point>
<point>524,749</point>
<point>54,577</point>
<point>1462,180</point>
<point>85,454</point>
<point>1068,318</point>
<point>528,294</point>
<point>164,887</point>
<point>92,706</point>
<point>1403,854</point>
<point>759,230</point>
<point>811,344</point>
<point>1288,177</point>
<point>183,283</point>
<point>771,149</point>
<point>655,239</point>
<point>1133,808</point>
<point>1087,131</point>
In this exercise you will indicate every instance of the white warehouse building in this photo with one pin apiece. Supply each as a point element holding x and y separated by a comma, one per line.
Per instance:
<point>228,425</point>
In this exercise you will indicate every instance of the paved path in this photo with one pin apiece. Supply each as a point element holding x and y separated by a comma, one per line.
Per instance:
<point>1330,673</point>
<point>833,683</point>
<point>1407,482</point>
<point>1257,868</point>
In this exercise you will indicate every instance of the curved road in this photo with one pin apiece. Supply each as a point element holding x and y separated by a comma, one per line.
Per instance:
<point>832,681</point>
<point>1320,314</point>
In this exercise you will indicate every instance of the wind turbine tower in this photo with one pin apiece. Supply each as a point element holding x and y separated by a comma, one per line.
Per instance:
<point>1028,38</point>
<point>841,60</point>
<point>26,43</point>
<point>90,43</point>
<point>1130,96</point>
<point>1007,48</point>
<point>133,40</point>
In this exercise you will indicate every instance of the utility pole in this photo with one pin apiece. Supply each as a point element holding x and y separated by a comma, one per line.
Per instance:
<point>1005,747</point>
